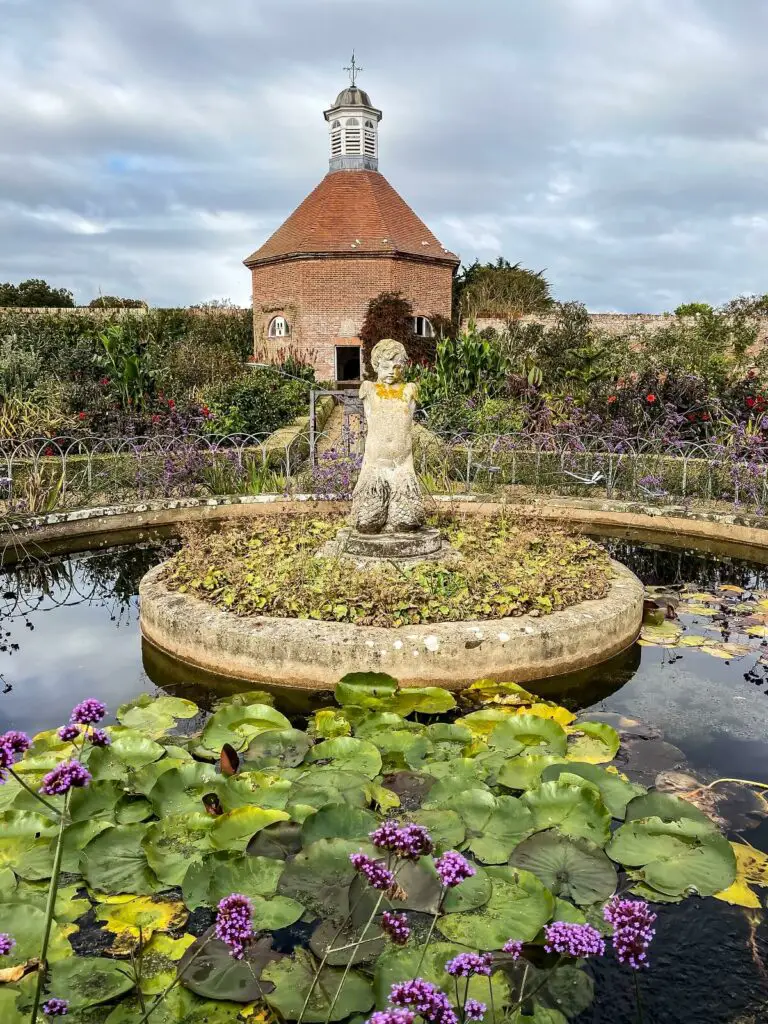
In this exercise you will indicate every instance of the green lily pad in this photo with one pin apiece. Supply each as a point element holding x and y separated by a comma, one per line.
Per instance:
<point>178,1007</point>
<point>155,715</point>
<point>180,790</point>
<point>91,981</point>
<point>26,923</point>
<point>328,786</point>
<point>279,841</point>
<point>319,877</point>
<point>615,791</point>
<point>115,862</point>
<point>76,838</point>
<point>571,868</point>
<point>255,788</point>
<point>482,723</point>
<point>98,800</point>
<point>209,969</point>
<point>536,735</point>
<point>328,723</point>
<point>366,690</point>
<point>426,700</point>
<point>525,770</point>
<point>175,842</point>
<point>233,830</point>
<point>347,754</point>
<point>676,857</point>
<point>401,748</point>
<point>339,821</point>
<point>494,825</point>
<point>238,725</point>
<point>130,747</point>
<point>208,881</point>
<point>666,807</point>
<point>519,907</point>
<point>574,810</point>
<point>445,827</point>
<point>385,721</point>
<point>293,978</point>
<point>597,744</point>
<point>279,748</point>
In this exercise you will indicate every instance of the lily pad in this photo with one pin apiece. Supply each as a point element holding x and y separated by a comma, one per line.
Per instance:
<point>155,715</point>
<point>220,874</point>
<point>180,790</point>
<point>233,830</point>
<point>519,906</point>
<point>494,825</point>
<point>279,841</point>
<point>138,919</point>
<point>593,743</point>
<point>175,842</point>
<point>319,877</point>
<point>368,690</point>
<point>238,725</point>
<point>571,868</point>
<point>348,754</point>
<point>26,923</point>
<point>209,969</point>
<point>280,748</point>
<point>574,810</point>
<point>293,978</point>
<point>445,827</point>
<point>115,862</point>
<point>676,857</point>
<point>666,807</point>
<point>524,771</point>
<point>88,982</point>
<point>537,735</point>
<point>130,747</point>
<point>615,791</point>
<point>338,821</point>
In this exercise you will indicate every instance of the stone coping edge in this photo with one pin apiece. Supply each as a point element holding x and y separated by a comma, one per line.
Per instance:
<point>314,655</point>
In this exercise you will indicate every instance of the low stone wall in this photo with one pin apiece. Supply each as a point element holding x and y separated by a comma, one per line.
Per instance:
<point>315,655</point>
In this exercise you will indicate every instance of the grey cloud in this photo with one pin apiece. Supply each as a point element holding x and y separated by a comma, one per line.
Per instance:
<point>147,147</point>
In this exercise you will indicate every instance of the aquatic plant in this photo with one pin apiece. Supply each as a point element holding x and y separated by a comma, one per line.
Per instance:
<point>451,869</point>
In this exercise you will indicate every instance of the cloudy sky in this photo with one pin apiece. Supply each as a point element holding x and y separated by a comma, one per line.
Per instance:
<point>148,146</point>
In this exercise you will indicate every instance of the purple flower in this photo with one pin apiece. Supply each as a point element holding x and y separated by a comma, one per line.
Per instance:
<point>633,931</point>
<point>55,1008</point>
<point>392,1016</point>
<point>234,923</point>
<point>88,712</point>
<point>385,836</point>
<point>466,964</point>
<point>69,733</point>
<point>577,940</point>
<point>413,841</point>
<point>453,868</point>
<point>19,742</point>
<point>396,927</point>
<point>65,776</point>
<point>474,1010</point>
<point>99,738</point>
<point>7,758</point>
<point>425,999</point>
<point>514,948</point>
<point>375,872</point>
<point>6,944</point>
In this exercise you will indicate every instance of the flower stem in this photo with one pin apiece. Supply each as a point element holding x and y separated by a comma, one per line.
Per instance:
<point>431,930</point>
<point>638,1000</point>
<point>522,990</point>
<point>528,995</point>
<point>171,985</point>
<point>490,994</point>
<point>348,966</point>
<point>31,791</point>
<point>327,953</point>
<point>50,904</point>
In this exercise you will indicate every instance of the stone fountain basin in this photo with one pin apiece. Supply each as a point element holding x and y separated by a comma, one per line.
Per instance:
<point>314,655</point>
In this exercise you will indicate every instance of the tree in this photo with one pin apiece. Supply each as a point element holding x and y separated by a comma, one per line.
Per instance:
<point>35,293</point>
<point>113,302</point>
<point>389,315</point>
<point>500,289</point>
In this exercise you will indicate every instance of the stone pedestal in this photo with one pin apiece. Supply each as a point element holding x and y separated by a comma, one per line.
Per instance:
<point>406,546</point>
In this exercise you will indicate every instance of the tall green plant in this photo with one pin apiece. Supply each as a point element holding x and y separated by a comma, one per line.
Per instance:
<point>128,367</point>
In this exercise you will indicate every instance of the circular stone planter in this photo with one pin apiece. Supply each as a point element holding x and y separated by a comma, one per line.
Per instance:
<point>315,655</point>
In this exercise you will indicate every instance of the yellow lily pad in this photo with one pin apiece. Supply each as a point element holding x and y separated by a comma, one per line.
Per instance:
<point>159,961</point>
<point>731,588</point>
<point>696,609</point>
<point>693,640</point>
<point>552,711</point>
<point>751,864</point>
<point>739,894</point>
<point>758,631</point>
<point>700,598</point>
<point>140,918</point>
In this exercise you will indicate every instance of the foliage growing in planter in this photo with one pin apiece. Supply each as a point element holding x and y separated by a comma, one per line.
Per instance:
<point>469,855</point>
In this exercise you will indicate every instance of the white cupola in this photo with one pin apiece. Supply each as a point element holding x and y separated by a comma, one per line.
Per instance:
<point>353,128</point>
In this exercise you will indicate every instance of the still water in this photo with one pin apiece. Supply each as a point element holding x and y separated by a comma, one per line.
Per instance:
<point>69,630</point>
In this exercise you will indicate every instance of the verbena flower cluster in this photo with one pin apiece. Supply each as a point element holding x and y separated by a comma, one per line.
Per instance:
<point>12,744</point>
<point>55,1008</point>
<point>67,733</point>
<point>514,948</point>
<point>452,869</point>
<point>375,872</point>
<point>421,996</point>
<point>396,927</point>
<point>466,964</point>
<point>577,940</point>
<point>408,842</point>
<point>65,776</point>
<point>392,1015</point>
<point>633,931</point>
<point>6,944</point>
<point>88,712</point>
<point>234,923</point>
<point>99,738</point>
<point>474,1010</point>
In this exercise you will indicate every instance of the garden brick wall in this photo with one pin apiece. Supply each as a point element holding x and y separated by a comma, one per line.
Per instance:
<point>325,299</point>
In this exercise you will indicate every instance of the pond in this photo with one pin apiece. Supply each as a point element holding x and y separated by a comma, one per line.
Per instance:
<point>69,630</point>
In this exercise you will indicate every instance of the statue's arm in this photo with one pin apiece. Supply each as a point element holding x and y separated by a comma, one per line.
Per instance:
<point>410,394</point>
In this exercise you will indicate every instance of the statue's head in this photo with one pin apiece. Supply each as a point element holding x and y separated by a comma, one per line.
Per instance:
<point>388,358</point>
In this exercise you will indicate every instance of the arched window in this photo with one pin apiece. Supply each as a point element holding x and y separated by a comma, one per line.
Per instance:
<point>278,327</point>
<point>422,327</point>
<point>352,135</point>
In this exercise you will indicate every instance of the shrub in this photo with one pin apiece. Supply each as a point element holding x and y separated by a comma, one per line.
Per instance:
<point>257,402</point>
<point>389,315</point>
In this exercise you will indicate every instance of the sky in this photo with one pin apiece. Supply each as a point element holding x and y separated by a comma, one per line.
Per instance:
<point>148,146</point>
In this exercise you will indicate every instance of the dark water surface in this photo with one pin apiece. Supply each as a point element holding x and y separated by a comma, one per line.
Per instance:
<point>69,630</point>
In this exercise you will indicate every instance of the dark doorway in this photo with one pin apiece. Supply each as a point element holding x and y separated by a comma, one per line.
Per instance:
<point>347,362</point>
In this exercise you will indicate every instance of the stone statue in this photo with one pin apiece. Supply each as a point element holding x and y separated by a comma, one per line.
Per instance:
<point>387,497</point>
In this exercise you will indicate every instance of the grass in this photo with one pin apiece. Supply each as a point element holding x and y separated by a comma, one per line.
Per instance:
<point>509,567</point>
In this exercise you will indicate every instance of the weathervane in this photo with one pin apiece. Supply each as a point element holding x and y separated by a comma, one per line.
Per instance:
<point>353,69</point>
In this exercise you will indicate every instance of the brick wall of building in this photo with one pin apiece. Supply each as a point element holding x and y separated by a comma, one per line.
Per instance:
<point>325,301</point>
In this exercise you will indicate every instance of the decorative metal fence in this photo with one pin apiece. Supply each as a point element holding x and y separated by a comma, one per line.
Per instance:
<point>43,475</point>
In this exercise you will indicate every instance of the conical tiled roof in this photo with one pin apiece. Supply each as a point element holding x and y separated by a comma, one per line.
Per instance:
<point>352,212</point>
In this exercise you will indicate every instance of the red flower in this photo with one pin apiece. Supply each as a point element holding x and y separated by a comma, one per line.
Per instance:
<point>650,398</point>
<point>48,452</point>
<point>750,402</point>
<point>171,404</point>
<point>752,374</point>
<point>155,418</point>
<point>705,416</point>
<point>611,399</point>
<point>205,411</point>
<point>691,417</point>
<point>104,381</point>
<point>81,415</point>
